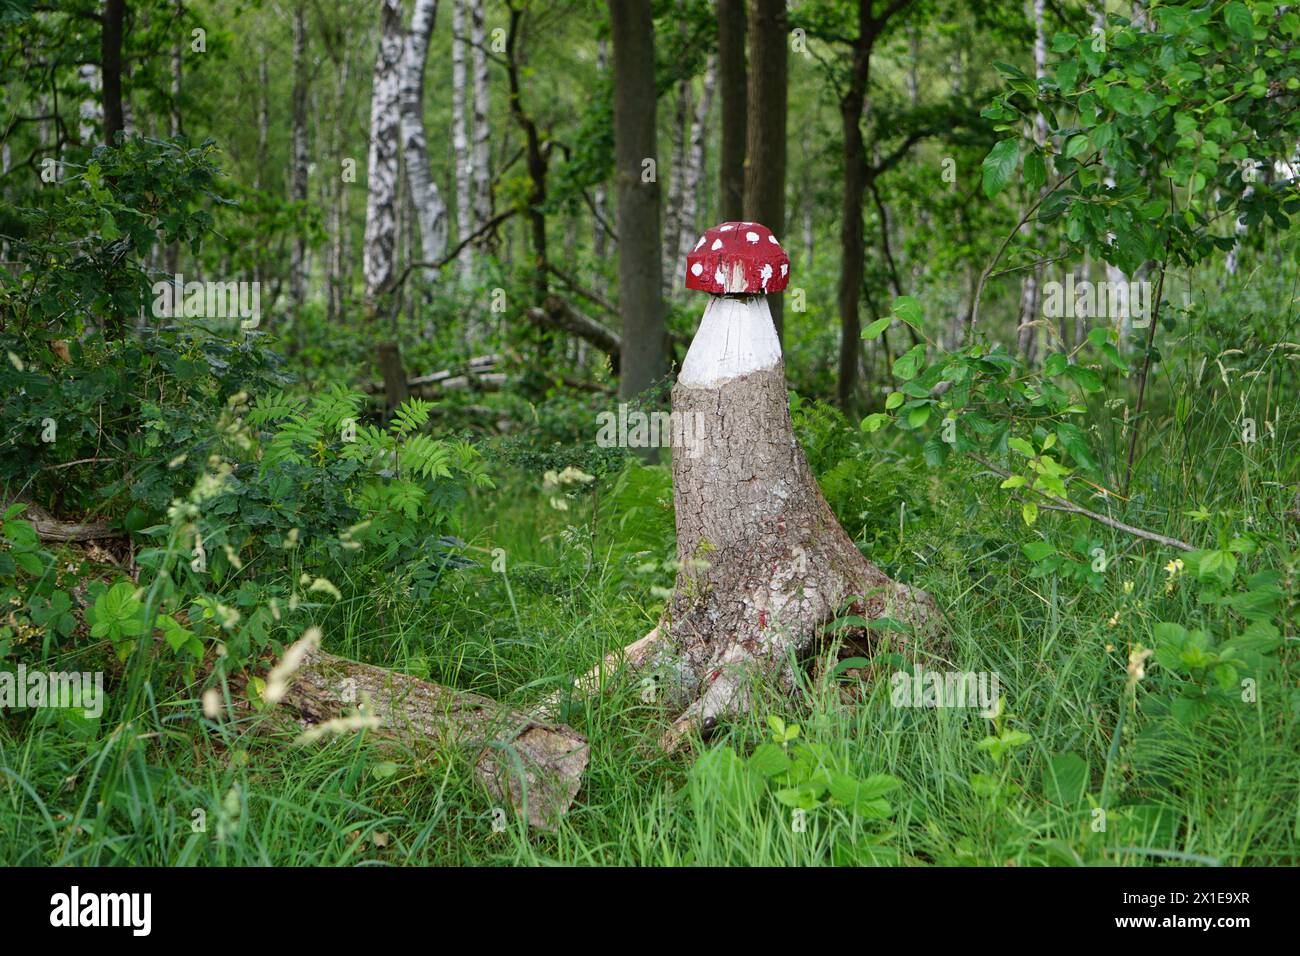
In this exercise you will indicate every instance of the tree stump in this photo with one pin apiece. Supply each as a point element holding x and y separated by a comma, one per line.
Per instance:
<point>763,563</point>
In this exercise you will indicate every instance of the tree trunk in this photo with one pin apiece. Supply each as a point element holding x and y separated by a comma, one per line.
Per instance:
<point>857,174</point>
<point>110,61</point>
<point>639,257</point>
<point>460,137</point>
<point>178,73</point>
<point>763,563</point>
<point>482,153</point>
<point>298,186</point>
<point>676,183</point>
<point>263,118</point>
<point>381,196</point>
<point>687,226</point>
<point>733,92</point>
<point>534,158</point>
<point>518,758</point>
<point>852,248</point>
<point>88,113</point>
<point>430,210</point>
<point>765,151</point>
<point>600,211</point>
<point>1031,295</point>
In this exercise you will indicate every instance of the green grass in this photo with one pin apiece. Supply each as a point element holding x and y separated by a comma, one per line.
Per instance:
<point>582,582</point>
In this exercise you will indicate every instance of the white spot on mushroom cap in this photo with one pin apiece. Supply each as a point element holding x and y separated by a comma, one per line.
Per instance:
<point>720,277</point>
<point>772,240</point>
<point>717,244</point>
<point>785,267</point>
<point>766,274</point>
<point>696,269</point>
<point>751,237</point>
<point>728,227</point>
<point>700,243</point>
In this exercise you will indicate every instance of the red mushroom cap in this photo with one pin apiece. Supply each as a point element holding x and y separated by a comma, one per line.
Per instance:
<point>738,258</point>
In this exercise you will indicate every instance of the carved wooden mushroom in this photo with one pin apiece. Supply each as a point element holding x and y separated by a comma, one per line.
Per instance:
<point>763,563</point>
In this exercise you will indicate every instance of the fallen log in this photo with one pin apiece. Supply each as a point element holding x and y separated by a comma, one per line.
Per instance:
<point>52,530</point>
<point>535,765</point>
<point>479,373</point>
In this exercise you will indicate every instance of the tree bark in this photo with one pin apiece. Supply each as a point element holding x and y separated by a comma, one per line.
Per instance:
<point>639,256</point>
<point>480,130</point>
<point>676,183</point>
<point>517,757</point>
<point>765,154</point>
<point>534,158</point>
<point>1031,295</point>
<point>763,563</point>
<point>381,195</point>
<point>600,212</point>
<point>732,89</point>
<point>110,60</point>
<point>430,210</point>
<point>852,248</point>
<point>460,136</point>
<point>298,181</point>
<point>688,225</point>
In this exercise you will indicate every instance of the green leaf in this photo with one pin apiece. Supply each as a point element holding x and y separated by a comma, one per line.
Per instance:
<point>893,401</point>
<point>907,364</point>
<point>1038,550</point>
<point>1239,19</point>
<point>908,308</point>
<point>1029,512</point>
<point>1022,446</point>
<point>1065,779</point>
<point>873,422</point>
<point>874,330</point>
<point>998,166</point>
<point>770,760</point>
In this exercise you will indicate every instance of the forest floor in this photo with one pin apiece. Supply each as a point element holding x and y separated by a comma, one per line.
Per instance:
<point>1086,764</point>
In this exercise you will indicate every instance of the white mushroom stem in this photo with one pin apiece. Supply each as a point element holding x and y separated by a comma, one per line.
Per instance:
<point>735,337</point>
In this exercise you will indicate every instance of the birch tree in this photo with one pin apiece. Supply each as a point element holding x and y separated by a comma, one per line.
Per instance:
<point>459,135</point>
<point>430,209</point>
<point>687,220</point>
<point>378,262</point>
<point>481,152</point>
<point>298,175</point>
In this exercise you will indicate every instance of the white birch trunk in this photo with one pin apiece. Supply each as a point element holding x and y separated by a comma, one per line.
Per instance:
<point>687,225</point>
<point>459,136</point>
<point>298,186</point>
<point>381,166</point>
<point>430,210</point>
<point>599,199</point>
<point>481,154</point>
<point>1031,290</point>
